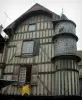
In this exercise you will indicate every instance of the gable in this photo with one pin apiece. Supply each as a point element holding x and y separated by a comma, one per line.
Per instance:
<point>42,22</point>
<point>44,32</point>
<point>34,10</point>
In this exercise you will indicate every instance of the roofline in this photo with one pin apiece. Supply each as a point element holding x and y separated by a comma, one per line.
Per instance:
<point>28,13</point>
<point>58,21</point>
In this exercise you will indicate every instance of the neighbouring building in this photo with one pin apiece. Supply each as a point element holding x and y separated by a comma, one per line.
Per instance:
<point>41,51</point>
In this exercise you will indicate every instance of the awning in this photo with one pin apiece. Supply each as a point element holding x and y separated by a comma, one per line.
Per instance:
<point>4,83</point>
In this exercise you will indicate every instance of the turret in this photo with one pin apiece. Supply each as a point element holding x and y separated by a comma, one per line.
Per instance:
<point>65,59</point>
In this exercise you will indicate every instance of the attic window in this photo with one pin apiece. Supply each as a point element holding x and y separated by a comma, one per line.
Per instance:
<point>32,27</point>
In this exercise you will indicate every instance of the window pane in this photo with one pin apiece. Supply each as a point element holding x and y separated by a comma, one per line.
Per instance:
<point>22,75</point>
<point>28,47</point>
<point>32,27</point>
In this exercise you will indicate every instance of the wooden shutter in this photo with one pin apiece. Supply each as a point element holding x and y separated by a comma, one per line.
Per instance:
<point>34,80</point>
<point>19,48</point>
<point>36,46</point>
<point>34,75</point>
<point>34,70</point>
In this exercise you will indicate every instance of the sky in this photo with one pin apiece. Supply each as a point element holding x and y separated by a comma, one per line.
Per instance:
<point>12,9</point>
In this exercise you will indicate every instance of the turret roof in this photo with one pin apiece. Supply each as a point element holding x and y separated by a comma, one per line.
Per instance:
<point>63,17</point>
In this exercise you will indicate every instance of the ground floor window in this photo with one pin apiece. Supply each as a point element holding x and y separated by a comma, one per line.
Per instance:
<point>22,74</point>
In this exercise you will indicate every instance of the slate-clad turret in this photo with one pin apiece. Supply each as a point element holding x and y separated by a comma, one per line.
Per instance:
<point>65,59</point>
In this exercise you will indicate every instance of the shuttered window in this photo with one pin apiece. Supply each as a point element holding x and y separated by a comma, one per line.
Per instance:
<point>32,27</point>
<point>28,47</point>
<point>22,75</point>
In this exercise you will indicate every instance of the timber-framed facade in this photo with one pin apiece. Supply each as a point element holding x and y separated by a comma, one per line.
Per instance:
<point>28,52</point>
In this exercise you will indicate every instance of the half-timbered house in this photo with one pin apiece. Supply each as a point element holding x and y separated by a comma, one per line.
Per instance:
<point>28,53</point>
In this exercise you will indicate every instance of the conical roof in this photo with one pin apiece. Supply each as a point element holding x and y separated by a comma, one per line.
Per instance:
<point>63,17</point>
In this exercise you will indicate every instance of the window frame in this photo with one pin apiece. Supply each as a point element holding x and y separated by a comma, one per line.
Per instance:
<point>30,25</point>
<point>19,48</point>
<point>27,54</point>
<point>27,67</point>
<point>18,75</point>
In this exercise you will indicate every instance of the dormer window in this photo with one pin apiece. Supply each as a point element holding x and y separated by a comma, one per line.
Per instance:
<point>32,27</point>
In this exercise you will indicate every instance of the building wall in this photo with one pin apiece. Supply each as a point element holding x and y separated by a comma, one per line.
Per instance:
<point>65,27</point>
<point>65,45</point>
<point>66,81</point>
<point>44,32</point>
<point>1,63</point>
<point>46,70</point>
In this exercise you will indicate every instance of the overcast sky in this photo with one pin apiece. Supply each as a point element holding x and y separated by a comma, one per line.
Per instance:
<point>15,8</point>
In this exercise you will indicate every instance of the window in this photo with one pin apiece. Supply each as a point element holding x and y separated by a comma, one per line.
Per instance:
<point>22,75</point>
<point>32,27</point>
<point>25,74</point>
<point>28,47</point>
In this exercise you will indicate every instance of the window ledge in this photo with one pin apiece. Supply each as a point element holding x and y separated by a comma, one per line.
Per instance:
<point>34,84</point>
<point>22,84</point>
<point>26,55</point>
<point>32,31</point>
